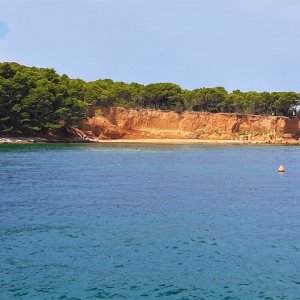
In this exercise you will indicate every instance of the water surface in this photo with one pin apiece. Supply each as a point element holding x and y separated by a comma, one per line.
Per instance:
<point>134,222</point>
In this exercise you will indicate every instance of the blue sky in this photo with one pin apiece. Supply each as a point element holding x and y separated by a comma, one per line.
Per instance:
<point>238,44</point>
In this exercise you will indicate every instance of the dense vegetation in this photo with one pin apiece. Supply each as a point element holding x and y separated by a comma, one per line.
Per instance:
<point>38,99</point>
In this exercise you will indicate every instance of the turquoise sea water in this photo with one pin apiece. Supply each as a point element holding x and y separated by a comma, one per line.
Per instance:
<point>154,222</point>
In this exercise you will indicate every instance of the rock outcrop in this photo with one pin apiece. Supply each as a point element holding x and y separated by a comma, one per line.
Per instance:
<point>116,123</point>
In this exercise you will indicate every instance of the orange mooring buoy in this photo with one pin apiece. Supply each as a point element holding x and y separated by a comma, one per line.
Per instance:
<point>281,169</point>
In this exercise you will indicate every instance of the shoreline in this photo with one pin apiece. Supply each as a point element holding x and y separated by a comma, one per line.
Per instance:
<point>193,142</point>
<point>38,140</point>
<point>163,141</point>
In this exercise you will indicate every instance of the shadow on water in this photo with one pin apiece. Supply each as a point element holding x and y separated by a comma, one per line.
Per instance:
<point>133,146</point>
<point>91,146</point>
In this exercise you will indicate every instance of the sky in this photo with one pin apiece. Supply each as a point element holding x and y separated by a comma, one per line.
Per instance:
<point>238,44</point>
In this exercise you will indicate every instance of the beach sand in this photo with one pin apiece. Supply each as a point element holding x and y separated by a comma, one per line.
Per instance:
<point>162,141</point>
<point>178,141</point>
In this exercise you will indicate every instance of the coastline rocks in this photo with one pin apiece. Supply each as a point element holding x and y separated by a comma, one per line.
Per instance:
<point>117,123</point>
<point>21,140</point>
<point>100,127</point>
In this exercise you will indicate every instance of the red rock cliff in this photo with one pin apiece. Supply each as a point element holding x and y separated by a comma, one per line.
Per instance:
<point>116,122</point>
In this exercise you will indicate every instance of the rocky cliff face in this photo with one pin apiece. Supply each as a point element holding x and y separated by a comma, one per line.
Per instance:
<point>115,122</point>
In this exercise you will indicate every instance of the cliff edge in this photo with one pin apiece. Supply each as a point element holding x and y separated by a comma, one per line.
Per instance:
<point>122,123</point>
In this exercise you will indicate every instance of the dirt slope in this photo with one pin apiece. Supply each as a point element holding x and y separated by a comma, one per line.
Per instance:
<point>116,123</point>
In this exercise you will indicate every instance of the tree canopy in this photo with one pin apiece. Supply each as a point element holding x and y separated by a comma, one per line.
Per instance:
<point>38,99</point>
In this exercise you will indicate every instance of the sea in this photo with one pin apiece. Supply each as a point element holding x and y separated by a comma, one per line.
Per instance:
<point>117,221</point>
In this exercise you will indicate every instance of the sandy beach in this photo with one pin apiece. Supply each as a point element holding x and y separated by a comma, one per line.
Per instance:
<point>190,142</point>
<point>162,141</point>
<point>170,141</point>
